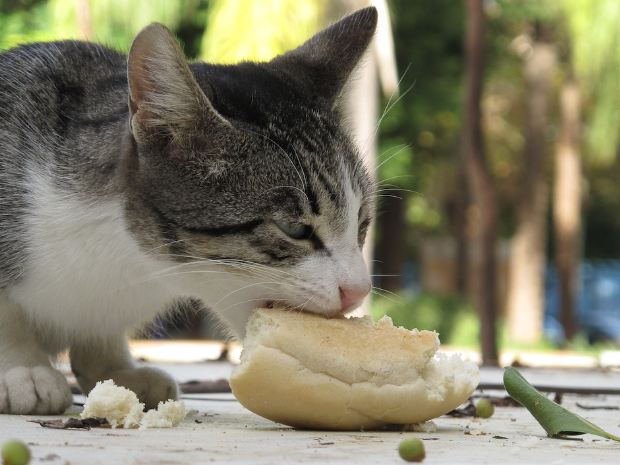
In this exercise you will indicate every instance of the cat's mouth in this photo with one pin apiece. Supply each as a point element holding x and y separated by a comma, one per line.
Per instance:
<point>280,305</point>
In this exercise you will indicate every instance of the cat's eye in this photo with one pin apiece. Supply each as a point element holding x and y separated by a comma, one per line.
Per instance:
<point>295,230</point>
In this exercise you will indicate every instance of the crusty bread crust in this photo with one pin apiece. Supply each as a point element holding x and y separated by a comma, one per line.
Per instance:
<point>306,371</point>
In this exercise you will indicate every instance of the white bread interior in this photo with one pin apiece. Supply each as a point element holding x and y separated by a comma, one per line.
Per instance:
<point>306,371</point>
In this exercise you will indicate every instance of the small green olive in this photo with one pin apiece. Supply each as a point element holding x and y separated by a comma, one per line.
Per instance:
<point>484,408</point>
<point>411,449</point>
<point>15,452</point>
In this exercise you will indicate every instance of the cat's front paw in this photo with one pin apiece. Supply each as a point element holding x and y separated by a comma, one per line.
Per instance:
<point>34,390</point>
<point>151,385</point>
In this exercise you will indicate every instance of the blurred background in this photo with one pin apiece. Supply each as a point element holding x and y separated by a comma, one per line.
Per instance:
<point>496,150</point>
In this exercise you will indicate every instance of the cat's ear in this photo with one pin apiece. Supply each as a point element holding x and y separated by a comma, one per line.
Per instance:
<point>325,62</point>
<point>165,99</point>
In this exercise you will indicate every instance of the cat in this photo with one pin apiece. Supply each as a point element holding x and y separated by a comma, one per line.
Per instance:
<point>127,182</point>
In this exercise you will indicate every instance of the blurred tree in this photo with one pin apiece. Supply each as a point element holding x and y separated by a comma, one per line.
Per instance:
<point>567,204</point>
<point>595,40</point>
<point>525,304</point>
<point>594,43</point>
<point>481,181</point>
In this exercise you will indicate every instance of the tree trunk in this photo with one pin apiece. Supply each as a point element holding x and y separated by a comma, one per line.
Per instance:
<point>483,189</point>
<point>525,300</point>
<point>460,231</point>
<point>567,205</point>
<point>85,26</point>
<point>390,248</point>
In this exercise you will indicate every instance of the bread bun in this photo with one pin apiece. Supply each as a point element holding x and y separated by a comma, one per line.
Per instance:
<point>306,371</point>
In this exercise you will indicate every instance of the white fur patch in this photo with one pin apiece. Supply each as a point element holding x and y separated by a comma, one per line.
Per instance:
<point>86,275</point>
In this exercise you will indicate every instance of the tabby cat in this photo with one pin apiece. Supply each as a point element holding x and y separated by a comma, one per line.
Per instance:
<point>127,182</point>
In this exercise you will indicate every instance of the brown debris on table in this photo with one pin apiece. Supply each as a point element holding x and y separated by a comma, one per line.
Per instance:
<point>204,387</point>
<point>73,423</point>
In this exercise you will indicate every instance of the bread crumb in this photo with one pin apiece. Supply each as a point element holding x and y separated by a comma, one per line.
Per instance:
<point>531,442</point>
<point>118,405</point>
<point>167,415</point>
<point>425,427</point>
<point>121,407</point>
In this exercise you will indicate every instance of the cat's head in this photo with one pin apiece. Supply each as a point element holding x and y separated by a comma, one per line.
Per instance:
<point>244,177</point>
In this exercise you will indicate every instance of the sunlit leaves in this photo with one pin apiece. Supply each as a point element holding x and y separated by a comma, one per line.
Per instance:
<point>250,30</point>
<point>595,45</point>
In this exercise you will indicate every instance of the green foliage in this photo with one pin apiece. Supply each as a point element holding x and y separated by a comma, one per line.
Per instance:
<point>452,317</point>
<point>250,30</point>
<point>595,41</point>
<point>530,11</point>
<point>418,135</point>
<point>113,22</point>
<point>24,21</point>
<point>581,345</point>
<point>505,343</point>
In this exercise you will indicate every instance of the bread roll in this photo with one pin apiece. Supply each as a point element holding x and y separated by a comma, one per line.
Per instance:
<point>306,371</point>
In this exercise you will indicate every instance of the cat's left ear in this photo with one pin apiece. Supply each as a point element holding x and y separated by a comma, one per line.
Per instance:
<point>324,63</point>
<point>165,100</point>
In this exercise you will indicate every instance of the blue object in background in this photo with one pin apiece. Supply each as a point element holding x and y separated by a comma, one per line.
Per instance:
<point>598,302</point>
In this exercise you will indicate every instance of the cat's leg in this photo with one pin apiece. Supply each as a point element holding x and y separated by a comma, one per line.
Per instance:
<point>110,359</point>
<point>28,383</point>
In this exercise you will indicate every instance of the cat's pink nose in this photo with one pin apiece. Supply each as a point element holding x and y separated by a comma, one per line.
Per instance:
<point>349,296</point>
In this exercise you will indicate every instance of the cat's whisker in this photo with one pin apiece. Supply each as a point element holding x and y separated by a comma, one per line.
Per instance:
<point>388,108</point>
<point>382,292</point>
<point>166,273</point>
<point>236,263</point>
<point>389,195</point>
<point>390,149</point>
<point>243,302</point>
<point>383,182</point>
<point>242,289</point>
<point>251,265</point>
<point>167,244</point>
<point>229,277</point>
<point>392,156</point>
<point>396,301</point>
<point>399,189</point>
<point>390,105</point>
<point>301,307</point>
